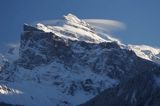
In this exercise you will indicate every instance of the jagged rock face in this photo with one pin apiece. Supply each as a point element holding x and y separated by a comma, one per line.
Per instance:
<point>39,47</point>
<point>140,90</point>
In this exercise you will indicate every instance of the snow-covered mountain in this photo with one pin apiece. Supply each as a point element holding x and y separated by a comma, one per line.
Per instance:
<point>146,52</point>
<point>67,64</point>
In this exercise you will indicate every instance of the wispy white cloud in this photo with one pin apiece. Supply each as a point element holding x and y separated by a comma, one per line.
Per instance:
<point>13,45</point>
<point>106,25</point>
<point>103,24</point>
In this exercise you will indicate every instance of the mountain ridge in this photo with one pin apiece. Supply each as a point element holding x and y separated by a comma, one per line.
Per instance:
<point>59,66</point>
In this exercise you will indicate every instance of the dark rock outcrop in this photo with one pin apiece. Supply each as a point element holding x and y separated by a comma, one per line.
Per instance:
<point>39,47</point>
<point>140,90</point>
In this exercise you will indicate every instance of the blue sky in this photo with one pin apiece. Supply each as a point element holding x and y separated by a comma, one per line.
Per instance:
<point>142,17</point>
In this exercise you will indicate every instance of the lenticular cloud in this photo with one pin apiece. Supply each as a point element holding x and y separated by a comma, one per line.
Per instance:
<point>102,24</point>
<point>106,25</point>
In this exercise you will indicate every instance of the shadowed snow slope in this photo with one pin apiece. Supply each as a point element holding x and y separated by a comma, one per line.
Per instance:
<point>140,90</point>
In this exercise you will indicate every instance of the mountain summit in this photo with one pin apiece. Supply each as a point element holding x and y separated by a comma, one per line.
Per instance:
<point>67,64</point>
